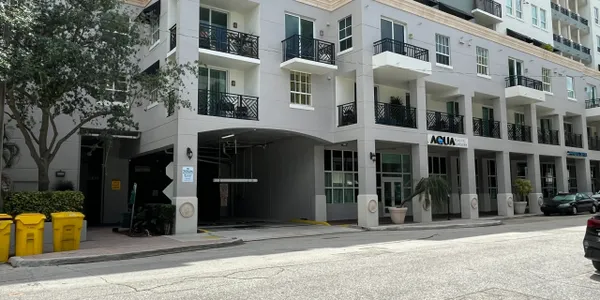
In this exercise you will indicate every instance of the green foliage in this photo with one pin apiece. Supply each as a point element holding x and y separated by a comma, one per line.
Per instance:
<point>430,189</point>
<point>548,47</point>
<point>523,187</point>
<point>158,219</point>
<point>43,202</point>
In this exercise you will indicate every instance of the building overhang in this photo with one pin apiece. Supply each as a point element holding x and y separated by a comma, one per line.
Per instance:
<point>521,95</point>
<point>308,66</point>
<point>390,68</point>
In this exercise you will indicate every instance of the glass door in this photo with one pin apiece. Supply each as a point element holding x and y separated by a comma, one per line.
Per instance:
<point>515,70</point>
<point>212,89</point>
<point>392,193</point>
<point>300,35</point>
<point>395,32</point>
<point>213,29</point>
<point>488,120</point>
<point>546,125</point>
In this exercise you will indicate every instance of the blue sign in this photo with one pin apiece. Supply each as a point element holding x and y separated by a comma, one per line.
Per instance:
<point>578,154</point>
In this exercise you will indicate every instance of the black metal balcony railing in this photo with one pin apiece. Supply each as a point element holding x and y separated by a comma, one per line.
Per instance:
<point>584,21</point>
<point>400,48</point>
<point>566,42</point>
<point>564,11</point>
<point>594,143</point>
<point>574,16</point>
<point>576,46</point>
<point>173,37</point>
<point>440,121</point>
<point>489,6</point>
<point>548,137</point>
<point>486,128</point>
<point>297,46</point>
<point>556,38</point>
<point>573,140</point>
<point>229,41</point>
<point>585,50</point>
<point>592,103</point>
<point>517,132</point>
<point>523,81</point>
<point>227,105</point>
<point>395,115</point>
<point>347,114</point>
<point>555,6</point>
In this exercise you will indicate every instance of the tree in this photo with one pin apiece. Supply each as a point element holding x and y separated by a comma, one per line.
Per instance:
<point>78,58</point>
<point>429,189</point>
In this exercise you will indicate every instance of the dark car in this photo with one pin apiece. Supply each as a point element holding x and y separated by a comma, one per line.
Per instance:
<point>591,241</point>
<point>569,203</point>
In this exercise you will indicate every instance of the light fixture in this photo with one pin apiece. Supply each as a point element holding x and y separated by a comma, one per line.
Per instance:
<point>373,156</point>
<point>189,153</point>
<point>60,173</point>
<point>228,136</point>
<point>344,144</point>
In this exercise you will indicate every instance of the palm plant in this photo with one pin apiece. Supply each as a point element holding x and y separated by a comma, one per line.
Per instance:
<point>430,189</point>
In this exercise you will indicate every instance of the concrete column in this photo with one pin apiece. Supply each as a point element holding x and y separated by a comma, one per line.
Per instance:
<point>505,196</point>
<point>584,178</point>
<point>420,169</point>
<point>320,201</point>
<point>562,174</point>
<point>368,215</point>
<point>531,120</point>
<point>559,124</point>
<point>468,199</point>
<point>418,97</point>
<point>466,109</point>
<point>500,115</point>
<point>533,174</point>
<point>580,126</point>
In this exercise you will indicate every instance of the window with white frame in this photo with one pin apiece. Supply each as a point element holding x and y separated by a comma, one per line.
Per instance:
<point>543,18</point>
<point>117,90</point>
<point>300,88</point>
<point>155,30</point>
<point>492,179</point>
<point>341,176</point>
<point>534,15</point>
<point>345,33</point>
<point>546,83</point>
<point>519,8</point>
<point>442,49</point>
<point>596,15</point>
<point>570,87</point>
<point>509,7</point>
<point>482,61</point>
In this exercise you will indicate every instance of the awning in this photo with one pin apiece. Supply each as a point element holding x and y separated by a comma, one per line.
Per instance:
<point>118,134</point>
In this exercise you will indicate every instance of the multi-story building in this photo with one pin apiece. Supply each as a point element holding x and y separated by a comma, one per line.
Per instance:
<point>332,109</point>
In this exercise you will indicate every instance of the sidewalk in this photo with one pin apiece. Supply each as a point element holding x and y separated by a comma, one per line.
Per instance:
<point>105,245</point>
<point>435,225</point>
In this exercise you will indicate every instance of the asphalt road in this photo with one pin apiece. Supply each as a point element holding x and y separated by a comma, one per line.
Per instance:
<point>533,258</point>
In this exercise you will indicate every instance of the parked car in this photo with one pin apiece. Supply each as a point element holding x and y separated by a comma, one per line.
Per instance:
<point>596,197</point>
<point>591,241</point>
<point>569,203</point>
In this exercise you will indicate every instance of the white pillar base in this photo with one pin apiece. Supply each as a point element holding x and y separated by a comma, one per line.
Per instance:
<point>186,215</point>
<point>535,203</point>
<point>368,211</point>
<point>320,208</point>
<point>421,214</point>
<point>469,206</point>
<point>506,203</point>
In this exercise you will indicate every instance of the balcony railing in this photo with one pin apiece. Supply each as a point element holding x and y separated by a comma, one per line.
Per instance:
<point>395,115</point>
<point>227,105</point>
<point>567,42</point>
<point>489,6</point>
<point>548,137</point>
<point>347,114</point>
<point>400,48</point>
<point>577,46</point>
<point>574,16</point>
<point>584,21</point>
<point>556,37</point>
<point>229,41</point>
<point>517,132</point>
<point>592,103</point>
<point>297,46</point>
<point>585,50</point>
<point>523,81</point>
<point>594,143</point>
<point>486,128</point>
<point>555,6</point>
<point>564,11</point>
<point>173,37</point>
<point>573,140</point>
<point>440,121</point>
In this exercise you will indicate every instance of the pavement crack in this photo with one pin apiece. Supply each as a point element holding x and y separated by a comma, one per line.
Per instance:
<point>428,237</point>
<point>119,284</point>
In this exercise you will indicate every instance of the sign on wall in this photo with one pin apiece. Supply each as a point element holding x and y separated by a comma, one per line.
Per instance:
<point>115,185</point>
<point>576,154</point>
<point>447,141</point>
<point>187,174</point>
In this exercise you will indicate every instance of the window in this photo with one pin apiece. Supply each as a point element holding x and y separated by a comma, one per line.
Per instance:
<point>570,87</point>
<point>300,88</point>
<point>341,176</point>
<point>155,30</point>
<point>596,15</point>
<point>117,90</point>
<point>598,43</point>
<point>442,49</point>
<point>509,7</point>
<point>519,8</point>
<point>534,15</point>
<point>345,33</point>
<point>590,91</point>
<point>546,84</point>
<point>543,18</point>
<point>482,61</point>
<point>519,118</point>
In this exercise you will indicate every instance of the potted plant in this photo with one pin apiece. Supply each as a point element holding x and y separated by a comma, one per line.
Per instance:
<point>523,189</point>
<point>428,189</point>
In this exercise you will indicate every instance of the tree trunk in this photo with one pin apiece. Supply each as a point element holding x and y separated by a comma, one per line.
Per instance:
<point>43,179</point>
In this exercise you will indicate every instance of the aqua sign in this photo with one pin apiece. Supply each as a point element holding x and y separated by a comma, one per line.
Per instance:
<point>577,154</point>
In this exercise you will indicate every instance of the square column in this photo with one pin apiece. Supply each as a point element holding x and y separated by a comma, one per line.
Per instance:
<point>536,197</point>
<point>320,201</point>
<point>468,199</point>
<point>531,120</point>
<point>500,115</point>
<point>505,195</point>
<point>580,126</point>
<point>418,96</point>
<point>420,169</point>
<point>558,123</point>
<point>368,205</point>
<point>562,174</point>
<point>465,106</point>
<point>584,177</point>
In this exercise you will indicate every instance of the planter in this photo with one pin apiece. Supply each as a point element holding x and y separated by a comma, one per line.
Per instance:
<point>398,214</point>
<point>520,207</point>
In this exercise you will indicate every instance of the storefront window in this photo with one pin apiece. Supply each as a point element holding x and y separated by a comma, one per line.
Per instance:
<point>341,176</point>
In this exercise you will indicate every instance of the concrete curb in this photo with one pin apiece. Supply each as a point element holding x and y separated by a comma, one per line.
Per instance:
<point>310,222</point>
<point>432,226</point>
<point>18,262</point>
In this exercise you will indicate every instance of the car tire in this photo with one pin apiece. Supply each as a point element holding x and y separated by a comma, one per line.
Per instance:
<point>594,209</point>
<point>546,214</point>
<point>596,265</point>
<point>574,210</point>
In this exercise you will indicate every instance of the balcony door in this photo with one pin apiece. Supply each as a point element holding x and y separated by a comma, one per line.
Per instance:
<point>591,92</point>
<point>213,29</point>
<point>545,125</point>
<point>299,34</point>
<point>515,70</point>
<point>393,31</point>
<point>487,114</point>
<point>212,89</point>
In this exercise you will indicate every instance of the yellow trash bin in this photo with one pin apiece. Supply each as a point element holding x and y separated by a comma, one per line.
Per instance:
<point>5,222</point>
<point>66,227</point>
<point>29,237</point>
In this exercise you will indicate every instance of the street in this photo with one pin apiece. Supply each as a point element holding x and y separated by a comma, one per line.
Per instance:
<point>530,258</point>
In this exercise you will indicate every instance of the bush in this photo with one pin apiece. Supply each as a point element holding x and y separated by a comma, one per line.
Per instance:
<point>43,202</point>
<point>158,219</point>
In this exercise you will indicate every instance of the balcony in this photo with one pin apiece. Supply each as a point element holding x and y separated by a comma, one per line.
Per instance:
<point>395,62</point>
<point>521,90</point>
<point>226,48</point>
<point>395,115</point>
<point>486,128</point>
<point>594,143</point>
<point>592,111</point>
<point>439,121</point>
<point>227,105</point>
<point>173,38</point>
<point>520,133</point>
<point>573,140</point>
<point>548,137</point>
<point>346,114</point>
<point>565,16</point>
<point>308,55</point>
<point>487,12</point>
